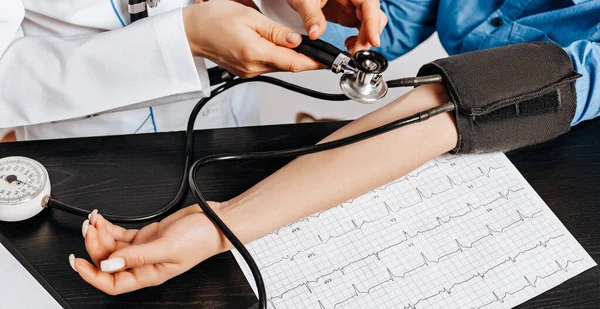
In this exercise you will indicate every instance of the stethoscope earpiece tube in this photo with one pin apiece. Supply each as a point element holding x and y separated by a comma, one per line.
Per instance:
<point>322,45</point>
<point>414,81</point>
<point>316,54</point>
<point>218,75</point>
<point>137,10</point>
<point>319,50</point>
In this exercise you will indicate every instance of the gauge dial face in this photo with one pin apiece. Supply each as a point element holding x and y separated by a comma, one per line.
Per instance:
<point>21,179</point>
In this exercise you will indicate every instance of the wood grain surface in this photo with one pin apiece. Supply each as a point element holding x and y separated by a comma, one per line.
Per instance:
<point>134,174</point>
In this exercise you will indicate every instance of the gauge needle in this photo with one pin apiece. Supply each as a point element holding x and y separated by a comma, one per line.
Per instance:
<point>12,178</point>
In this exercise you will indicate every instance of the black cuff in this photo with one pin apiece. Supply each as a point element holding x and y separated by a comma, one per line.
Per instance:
<point>508,97</point>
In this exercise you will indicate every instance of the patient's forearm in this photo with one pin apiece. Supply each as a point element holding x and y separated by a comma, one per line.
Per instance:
<point>319,181</point>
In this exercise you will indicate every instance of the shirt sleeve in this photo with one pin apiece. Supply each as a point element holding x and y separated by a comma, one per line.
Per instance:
<point>44,78</point>
<point>585,56</point>
<point>410,22</point>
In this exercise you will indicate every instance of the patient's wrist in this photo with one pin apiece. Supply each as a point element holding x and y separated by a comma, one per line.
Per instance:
<point>232,214</point>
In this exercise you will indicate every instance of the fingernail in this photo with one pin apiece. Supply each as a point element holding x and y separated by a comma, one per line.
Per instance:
<point>313,28</point>
<point>293,38</point>
<point>72,262</point>
<point>84,227</point>
<point>377,42</point>
<point>112,265</point>
<point>91,215</point>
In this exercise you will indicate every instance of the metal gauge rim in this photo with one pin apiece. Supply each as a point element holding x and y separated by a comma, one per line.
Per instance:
<point>43,173</point>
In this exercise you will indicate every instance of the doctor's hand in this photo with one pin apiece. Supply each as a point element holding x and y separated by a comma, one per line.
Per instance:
<point>128,260</point>
<point>365,15</point>
<point>242,40</point>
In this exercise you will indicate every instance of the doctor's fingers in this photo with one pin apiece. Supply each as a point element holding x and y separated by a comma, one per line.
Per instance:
<point>284,59</point>
<point>276,33</point>
<point>312,15</point>
<point>352,43</point>
<point>277,53</point>
<point>373,20</point>
<point>248,3</point>
<point>273,59</point>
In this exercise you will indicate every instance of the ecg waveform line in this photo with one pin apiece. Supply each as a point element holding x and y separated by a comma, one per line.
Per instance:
<point>357,227</point>
<point>366,252</point>
<point>417,174</point>
<point>453,184</point>
<point>529,283</point>
<point>491,232</point>
<point>448,290</point>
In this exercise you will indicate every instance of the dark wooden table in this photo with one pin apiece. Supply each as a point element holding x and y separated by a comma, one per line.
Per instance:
<point>136,173</point>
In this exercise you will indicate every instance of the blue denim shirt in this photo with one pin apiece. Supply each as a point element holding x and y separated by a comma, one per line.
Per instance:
<point>468,25</point>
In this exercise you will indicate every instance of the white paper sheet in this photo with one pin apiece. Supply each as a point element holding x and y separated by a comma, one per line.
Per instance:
<point>459,232</point>
<point>18,288</point>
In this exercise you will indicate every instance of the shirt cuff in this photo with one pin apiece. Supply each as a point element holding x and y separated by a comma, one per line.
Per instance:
<point>186,73</point>
<point>585,56</point>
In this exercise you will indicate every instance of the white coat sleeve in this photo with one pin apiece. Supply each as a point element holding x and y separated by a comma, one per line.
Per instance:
<point>44,79</point>
<point>281,12</point>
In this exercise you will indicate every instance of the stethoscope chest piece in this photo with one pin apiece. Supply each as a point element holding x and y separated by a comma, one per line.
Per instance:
<point>365,84</point>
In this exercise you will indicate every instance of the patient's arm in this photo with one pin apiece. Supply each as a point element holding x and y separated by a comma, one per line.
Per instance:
<point>319,181</point>
<point>127,260</point>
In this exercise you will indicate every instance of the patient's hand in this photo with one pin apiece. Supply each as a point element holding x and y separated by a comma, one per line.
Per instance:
<point>128,260</point>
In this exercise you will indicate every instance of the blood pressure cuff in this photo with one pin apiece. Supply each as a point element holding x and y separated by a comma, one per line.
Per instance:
<point>508,97</point>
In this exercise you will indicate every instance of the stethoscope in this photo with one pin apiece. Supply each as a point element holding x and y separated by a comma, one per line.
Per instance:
<point>25,188</point>
<point>138,9</point>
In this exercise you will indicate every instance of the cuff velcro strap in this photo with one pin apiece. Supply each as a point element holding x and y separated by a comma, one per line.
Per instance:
<point>508,97</point>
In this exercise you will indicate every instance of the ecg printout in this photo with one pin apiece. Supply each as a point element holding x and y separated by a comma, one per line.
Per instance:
<point>458,232</point>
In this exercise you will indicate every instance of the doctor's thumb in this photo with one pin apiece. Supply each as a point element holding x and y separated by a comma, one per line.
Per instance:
<point>279,35</point>
<point>138,255</point>
<point>312,16</point>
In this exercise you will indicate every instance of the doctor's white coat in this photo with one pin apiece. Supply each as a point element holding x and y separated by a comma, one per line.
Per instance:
<point>71,68</point>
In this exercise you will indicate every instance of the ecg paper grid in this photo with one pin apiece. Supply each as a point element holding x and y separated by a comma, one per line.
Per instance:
<point>458,232</point>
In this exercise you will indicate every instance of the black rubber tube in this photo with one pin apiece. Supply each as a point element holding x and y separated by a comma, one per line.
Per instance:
<point>189,174</point>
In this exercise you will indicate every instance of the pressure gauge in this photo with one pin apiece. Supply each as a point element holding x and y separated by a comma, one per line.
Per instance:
<point>24,184</point>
